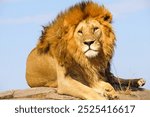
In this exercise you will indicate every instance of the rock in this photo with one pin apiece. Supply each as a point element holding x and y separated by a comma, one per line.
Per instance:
<point>135,95</point>
<point>43,93</point>
<point>33,92</point>
<point>6,94</point>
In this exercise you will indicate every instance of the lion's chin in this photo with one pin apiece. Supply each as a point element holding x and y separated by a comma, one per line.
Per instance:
<point>91,53</point>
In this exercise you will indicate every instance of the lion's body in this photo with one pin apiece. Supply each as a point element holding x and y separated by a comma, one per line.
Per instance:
<point>74,53</point>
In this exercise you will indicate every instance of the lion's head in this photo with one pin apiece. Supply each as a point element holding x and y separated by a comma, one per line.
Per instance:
<point>88,35</point>
<point>81,33</point>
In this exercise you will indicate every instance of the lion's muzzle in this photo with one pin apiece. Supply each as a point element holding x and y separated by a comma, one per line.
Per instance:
<point>90,49</point>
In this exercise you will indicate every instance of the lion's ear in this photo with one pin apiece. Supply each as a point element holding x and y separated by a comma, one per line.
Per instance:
<point>107,18</point>
<point>107,15</point>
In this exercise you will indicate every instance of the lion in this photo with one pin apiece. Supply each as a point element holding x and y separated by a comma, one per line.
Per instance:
<point>74,54</point>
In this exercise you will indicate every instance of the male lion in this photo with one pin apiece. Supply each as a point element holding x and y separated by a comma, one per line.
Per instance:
<point>74,54</point>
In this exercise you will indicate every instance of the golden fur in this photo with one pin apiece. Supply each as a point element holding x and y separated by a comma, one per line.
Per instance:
<point>61,58</point>
<point>60,35</point>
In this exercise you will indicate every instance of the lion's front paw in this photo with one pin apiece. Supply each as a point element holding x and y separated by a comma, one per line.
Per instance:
<point>107,87</point>
<point>111,95</point>
<point>141,82</point>
<point>106,90</point>
<point>110,92</point>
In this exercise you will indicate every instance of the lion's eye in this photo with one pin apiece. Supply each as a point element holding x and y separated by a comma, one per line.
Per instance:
<point>95,29</point>
<point>80,32</point>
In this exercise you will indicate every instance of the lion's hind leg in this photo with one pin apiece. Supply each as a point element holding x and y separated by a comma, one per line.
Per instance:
<point>51,84</point>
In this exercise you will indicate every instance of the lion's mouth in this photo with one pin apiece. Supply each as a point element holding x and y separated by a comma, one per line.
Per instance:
<point>90,50</point>
<point>91,53</point>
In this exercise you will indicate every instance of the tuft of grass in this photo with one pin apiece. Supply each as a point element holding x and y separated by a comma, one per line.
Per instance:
<point>127,90</point>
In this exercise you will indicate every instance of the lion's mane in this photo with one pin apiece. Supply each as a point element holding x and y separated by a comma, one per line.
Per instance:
<point>58,41</point>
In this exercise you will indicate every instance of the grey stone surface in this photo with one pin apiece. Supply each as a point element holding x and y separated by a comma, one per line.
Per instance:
<point>45,93</point>
<point>6,94</point>
<point>33,92</point>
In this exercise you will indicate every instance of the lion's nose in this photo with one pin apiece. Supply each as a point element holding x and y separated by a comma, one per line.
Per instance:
<point>88,42</point>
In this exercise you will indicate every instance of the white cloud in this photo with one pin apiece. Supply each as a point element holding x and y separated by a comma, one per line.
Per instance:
<point>28,19</point>
<point>128,6</point>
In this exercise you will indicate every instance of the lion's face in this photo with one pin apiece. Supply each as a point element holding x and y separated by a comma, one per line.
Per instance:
<point>88,35</point>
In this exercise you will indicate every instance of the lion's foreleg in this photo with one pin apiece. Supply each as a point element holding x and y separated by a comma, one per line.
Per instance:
<point>69,86</point>
<point>77,89</point>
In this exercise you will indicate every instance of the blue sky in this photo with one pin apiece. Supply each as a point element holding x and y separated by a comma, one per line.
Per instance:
<point>21,24</point>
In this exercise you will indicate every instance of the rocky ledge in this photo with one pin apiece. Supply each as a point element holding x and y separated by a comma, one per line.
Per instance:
<point>45,93</point>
